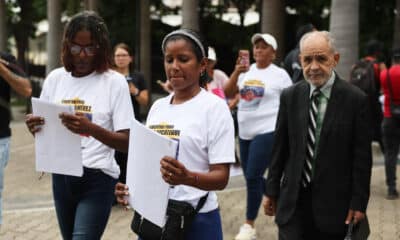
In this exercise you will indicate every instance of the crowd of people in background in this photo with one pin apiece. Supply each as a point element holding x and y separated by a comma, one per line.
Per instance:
<point>309,127</point>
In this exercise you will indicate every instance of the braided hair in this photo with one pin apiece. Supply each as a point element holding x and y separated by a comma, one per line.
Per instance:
<point>93,23</point>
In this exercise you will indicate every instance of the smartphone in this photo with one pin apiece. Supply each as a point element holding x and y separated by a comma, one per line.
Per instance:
<point>244,57</point>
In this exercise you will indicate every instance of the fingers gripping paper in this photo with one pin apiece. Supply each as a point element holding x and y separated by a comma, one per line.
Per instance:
<point>148,191</point>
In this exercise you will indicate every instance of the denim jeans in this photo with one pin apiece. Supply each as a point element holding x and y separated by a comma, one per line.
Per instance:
<point>4,156</point>
<point>255,156</point>
<point>205,226</point>
<point>391,141</point>
<point>83,204</point>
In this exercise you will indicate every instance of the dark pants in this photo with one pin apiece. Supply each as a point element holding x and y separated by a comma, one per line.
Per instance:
<point>205,226</point>
<point>301,226</point>
<point>391,141</point>
<point>255,156</point>
<point>83,204</point>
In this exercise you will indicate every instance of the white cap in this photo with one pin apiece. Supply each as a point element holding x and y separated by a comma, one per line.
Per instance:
<point>268,39</point>
<point>211,54</point>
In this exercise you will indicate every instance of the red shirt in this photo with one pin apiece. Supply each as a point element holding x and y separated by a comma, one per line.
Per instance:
<point>394,73</point>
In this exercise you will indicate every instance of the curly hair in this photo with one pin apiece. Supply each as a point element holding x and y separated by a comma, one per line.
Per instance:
<point>93,23</point>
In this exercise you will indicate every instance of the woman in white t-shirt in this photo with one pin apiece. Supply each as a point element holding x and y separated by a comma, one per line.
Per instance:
<point>202,124</point>
<point>103,109</point>
<point>259,86</point>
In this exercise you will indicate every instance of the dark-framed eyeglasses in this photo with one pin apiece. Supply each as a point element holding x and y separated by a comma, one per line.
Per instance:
<point>76,49</point>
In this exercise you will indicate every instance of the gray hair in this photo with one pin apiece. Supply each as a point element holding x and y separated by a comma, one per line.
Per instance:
<point>325,34</point>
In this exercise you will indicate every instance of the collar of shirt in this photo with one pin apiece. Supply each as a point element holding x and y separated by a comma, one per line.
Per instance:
<point>326,88</point>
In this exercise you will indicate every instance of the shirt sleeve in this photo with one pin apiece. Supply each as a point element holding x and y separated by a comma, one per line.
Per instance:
<point>122,109</point>
<point>221,140</point>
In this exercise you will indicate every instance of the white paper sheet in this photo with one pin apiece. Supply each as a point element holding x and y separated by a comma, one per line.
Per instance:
<point>57,149</point>
<point>148,193</point>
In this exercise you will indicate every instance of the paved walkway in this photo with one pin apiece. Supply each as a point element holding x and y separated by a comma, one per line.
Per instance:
<point>29,212</point>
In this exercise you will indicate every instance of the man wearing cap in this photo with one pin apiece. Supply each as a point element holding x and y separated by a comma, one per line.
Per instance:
<point>259,86</point>
<point>390,125</point>
<point>10,78</point>
<point>320,171</point>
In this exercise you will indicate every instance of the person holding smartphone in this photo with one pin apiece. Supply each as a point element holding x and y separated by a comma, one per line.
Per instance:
<point>259,85</point>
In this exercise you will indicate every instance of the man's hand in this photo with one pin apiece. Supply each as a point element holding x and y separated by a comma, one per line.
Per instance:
<point>269,205</point>
<point>356,216</point>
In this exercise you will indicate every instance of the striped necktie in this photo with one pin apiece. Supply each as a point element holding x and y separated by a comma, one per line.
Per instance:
<point>312,126</point>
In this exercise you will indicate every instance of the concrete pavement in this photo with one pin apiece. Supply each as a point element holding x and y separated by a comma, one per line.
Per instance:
<point>28,211</point>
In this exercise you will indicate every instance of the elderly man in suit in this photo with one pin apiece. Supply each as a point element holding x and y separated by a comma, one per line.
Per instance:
<point>320,172</point>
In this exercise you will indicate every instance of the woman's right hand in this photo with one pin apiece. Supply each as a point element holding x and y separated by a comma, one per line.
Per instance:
<point>121,193</point>
<point>33,123</point>
<point>240,67</point>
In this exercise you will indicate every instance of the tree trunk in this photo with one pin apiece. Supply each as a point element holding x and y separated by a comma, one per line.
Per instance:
<point>273,22</point>
<point>91,5</point>
<point>21,31</point>
<point>54,35</point>
<point>3,26</point>
<point>190,17</point>
<point>145,42</point>
<point>344,26</point>
<point>396,37</point>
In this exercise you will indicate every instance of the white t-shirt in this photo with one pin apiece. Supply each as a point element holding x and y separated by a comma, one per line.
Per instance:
<point>260,90</point>
<point>203,126</point>
<point>104,98</point>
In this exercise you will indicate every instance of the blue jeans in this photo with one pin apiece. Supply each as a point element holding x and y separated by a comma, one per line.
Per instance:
<point>4,156</point>
<point>255,156</point>
<point>83,204</point>
<point>205,226</point>
<point>391,142</point>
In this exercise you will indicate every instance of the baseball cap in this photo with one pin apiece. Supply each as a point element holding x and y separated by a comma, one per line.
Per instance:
<point>268,39</point>
<point>211,54</point>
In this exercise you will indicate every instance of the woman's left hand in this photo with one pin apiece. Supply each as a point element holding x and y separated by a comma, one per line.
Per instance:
<point>77,123</point>
<point>173,172</point>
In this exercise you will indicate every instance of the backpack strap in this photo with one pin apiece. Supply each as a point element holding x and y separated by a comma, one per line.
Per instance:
<point>390,87</point>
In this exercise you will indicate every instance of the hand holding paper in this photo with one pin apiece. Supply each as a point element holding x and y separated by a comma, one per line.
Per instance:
<point>148,191</point>
<point>58,150</point>
<point>77,123</point>
<point>34,123</point>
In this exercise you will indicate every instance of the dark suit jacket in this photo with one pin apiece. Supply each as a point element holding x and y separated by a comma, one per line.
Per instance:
<point>343,161</point>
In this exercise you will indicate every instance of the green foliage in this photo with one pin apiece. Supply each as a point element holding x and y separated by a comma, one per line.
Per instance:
<point>120,20</point>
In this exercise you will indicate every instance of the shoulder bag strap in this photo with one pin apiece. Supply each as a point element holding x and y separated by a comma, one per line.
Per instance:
<point>201,203</point>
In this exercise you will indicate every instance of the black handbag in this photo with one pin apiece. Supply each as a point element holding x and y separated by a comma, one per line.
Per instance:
<point>180,216</point>
<point>360,231</point>
<point>394,108</point>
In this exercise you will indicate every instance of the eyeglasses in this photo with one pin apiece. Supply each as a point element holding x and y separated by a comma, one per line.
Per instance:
<point>121,55</point>
<point>77,49</point>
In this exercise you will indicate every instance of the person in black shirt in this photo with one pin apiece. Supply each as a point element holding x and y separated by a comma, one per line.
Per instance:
<point>11,77</point>
<point>123,60</point>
